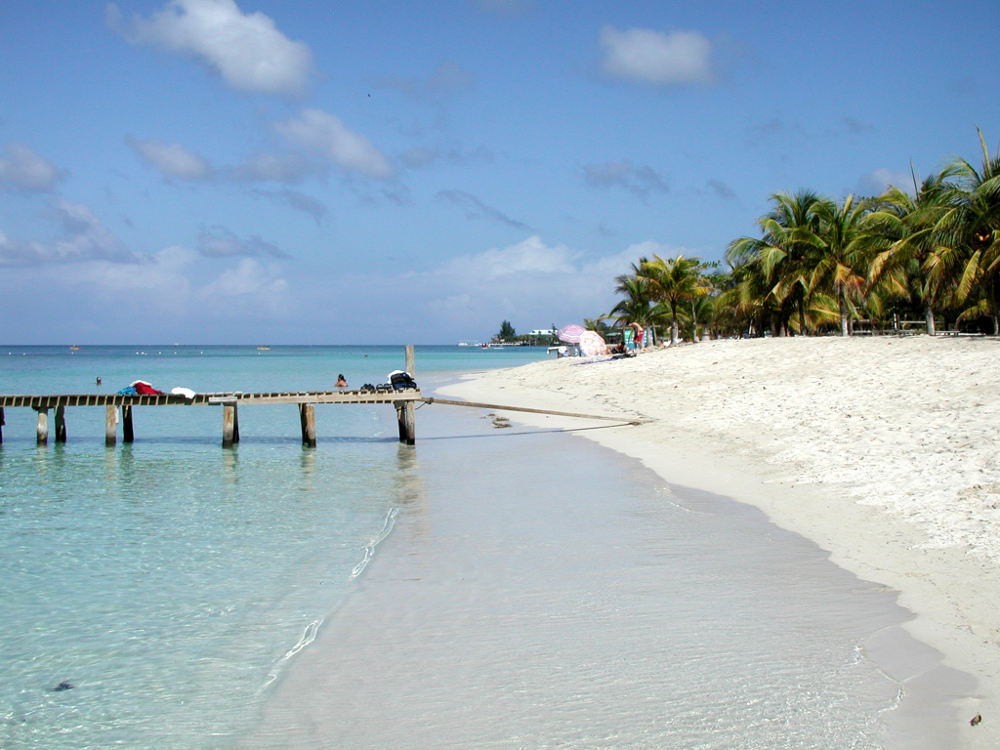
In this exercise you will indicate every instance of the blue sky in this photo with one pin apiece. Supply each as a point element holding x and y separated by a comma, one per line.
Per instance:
<point>211,171</point>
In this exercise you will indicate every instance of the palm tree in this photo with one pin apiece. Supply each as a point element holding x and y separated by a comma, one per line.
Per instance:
<point>842,264</point>
<point>785,254</point>
<point>673,282</point>
<point>597,324</point>
<point>749,293</point>
<point>977,227</point>
<point>635,306</point>
<point>913,255</point>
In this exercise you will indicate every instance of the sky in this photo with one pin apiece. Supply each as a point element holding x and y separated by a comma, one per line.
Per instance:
<point>320,172</point>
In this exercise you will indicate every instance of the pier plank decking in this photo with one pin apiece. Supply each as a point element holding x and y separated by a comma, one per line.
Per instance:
<point>402,399</point>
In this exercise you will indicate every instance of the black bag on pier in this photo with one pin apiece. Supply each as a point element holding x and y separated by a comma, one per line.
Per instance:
<point>401,380</point>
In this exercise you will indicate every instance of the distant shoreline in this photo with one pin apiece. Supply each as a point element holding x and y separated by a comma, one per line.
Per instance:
<point>881,450</point>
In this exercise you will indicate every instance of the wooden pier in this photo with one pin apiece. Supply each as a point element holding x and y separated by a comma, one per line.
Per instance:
<point>403,400</point>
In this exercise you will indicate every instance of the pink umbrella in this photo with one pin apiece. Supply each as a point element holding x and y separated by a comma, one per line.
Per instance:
<point>591,344</point>
<point>570,334</point>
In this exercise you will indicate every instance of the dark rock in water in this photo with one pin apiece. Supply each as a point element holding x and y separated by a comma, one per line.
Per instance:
<point>62,686</point>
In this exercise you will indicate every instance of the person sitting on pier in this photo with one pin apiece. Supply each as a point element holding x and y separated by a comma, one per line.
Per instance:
<point>341,381</point>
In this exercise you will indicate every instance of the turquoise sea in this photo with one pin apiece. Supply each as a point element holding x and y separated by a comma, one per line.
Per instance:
<point>156,594</point>
<point>168,581</point>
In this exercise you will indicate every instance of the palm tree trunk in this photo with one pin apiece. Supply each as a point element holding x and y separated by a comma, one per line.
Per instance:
<point>929,317</point>
<point>842,303</point>
<point>674,332</point>
<point>802,315</point>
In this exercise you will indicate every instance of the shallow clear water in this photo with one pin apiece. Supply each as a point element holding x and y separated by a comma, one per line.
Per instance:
<point>544,592</point>
<point>176,585</point>
<point>169,580</point>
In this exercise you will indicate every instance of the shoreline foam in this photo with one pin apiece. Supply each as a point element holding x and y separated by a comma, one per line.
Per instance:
<point>880,450</point>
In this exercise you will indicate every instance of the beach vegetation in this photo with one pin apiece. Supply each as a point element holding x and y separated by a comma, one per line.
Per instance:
<point>841,263</point>
<point>977,227</point>
<point>598,325</point>
<point>507,333</point>
<point>674,282</point>
<point>917,254</point>
<point>913,260</point>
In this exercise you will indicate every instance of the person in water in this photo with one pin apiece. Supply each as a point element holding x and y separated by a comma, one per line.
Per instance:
<point>341,381</point>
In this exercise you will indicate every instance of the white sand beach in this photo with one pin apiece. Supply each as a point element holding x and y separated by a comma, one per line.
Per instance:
<point>881,450</point>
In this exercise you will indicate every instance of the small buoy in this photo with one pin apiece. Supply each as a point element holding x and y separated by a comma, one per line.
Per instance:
<point>976,719</point>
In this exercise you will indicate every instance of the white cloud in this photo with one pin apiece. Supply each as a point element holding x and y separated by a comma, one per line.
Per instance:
<point>878,181</point>
<point>162,283</point>
<point>474,208</point>
<point>678,57</point>
<point>219,242</point>
<point>286,168</point>
<point>159,283</point>
<point>22,169</point>
<point>639,179</point>
<point>82,237</point>
<point>326,135</point>
<point>529,256</point>
<point>172,160</point>
<point>247,287</point>
<point>246,49</point>
<point>530,283</point>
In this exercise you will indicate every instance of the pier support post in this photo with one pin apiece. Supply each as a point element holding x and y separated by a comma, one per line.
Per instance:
<point>128,434</point>
<point>60,424</point>
<point>307,416</point>
<point>230,425</point>
<point>110,424</point>
<point>3,421</point>
<point>43,426</point>
<point>405,410</point>
<point>405,415</point>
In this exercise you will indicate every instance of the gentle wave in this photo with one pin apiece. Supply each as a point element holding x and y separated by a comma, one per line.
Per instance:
<point>369,553</point>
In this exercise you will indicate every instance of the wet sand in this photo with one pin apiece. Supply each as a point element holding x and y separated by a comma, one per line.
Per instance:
<point>881,450</point>
<point>523,603</point>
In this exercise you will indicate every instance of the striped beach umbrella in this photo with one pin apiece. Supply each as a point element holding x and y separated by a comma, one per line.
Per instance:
<point>570,334</point>
<point>591,344</point>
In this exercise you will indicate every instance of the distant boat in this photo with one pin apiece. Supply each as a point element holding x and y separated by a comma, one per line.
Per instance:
<point>263,348</point>
<point>74,348</point>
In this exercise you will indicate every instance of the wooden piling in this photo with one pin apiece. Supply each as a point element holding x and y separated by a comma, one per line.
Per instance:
<point>128,434</point>
<point>230,425</point>
<point>406,417</point>
<point>60,424</point>
<point>43,426</point>
<point>110,424</point>
<point>405,411</point>
<point>3,421</point>
<point>307,416</point>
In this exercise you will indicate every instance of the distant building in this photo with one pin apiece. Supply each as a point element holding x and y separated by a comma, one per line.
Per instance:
<point>543,332</point>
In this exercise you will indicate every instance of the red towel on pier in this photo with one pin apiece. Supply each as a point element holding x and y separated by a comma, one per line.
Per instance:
<point>145,389</point>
